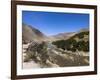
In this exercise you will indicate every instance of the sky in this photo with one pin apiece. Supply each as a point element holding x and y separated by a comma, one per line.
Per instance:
<point>52,23</point>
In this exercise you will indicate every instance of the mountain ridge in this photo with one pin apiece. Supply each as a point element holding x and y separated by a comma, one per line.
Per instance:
<point>29,34</point>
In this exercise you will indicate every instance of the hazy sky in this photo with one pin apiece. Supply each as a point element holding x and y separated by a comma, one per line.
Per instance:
<point>51,23</point>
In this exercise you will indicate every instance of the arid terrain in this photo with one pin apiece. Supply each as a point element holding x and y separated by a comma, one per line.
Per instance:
<point>61,50</point>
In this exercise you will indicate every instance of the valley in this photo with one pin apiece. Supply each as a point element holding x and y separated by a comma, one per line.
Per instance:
<point>61,50</point>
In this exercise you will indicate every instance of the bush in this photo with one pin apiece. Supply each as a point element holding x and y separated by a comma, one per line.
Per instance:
<point>29,56</point>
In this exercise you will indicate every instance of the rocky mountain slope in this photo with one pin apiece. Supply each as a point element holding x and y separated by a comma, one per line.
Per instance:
<point>79,41</point>
<point>30,34</point>
<point>48,55</point>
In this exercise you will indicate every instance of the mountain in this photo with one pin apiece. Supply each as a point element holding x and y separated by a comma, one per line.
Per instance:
<point>84,30</point>
<point>80,42</point>
<point>67,35</point>
<point>62,36</point>
<point>30,33</point>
